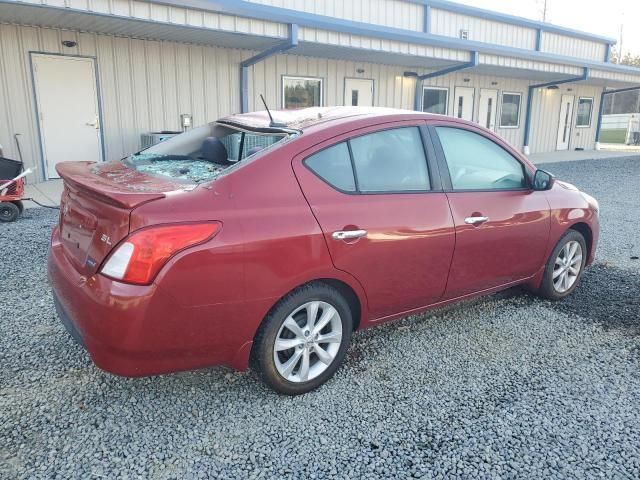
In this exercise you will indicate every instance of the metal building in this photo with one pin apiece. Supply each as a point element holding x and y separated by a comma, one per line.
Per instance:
<point>83,79</point>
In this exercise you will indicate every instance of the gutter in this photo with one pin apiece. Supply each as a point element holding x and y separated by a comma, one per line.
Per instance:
<point>420,80</point>
<point>281,47</point>
<point>532,88</point>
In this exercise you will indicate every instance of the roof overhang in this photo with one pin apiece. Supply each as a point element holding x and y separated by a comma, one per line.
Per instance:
<point>72,19</point>
<point>531,65</point>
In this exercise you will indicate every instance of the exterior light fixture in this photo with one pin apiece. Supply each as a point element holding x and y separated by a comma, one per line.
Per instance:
<point>466,80</point>
<point>69,43</point>
<point>410,74</point>
<point>553,87</point>
<point>360,70</point>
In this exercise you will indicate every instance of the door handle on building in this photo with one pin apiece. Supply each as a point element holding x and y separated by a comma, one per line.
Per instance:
<point>95,124</point>
<point>475,220</point>
<point>348,234</point>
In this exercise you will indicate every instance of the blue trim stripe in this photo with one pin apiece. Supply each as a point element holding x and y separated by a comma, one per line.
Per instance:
<point>527,121</point>
<point>426,26</point>
<point>538,40</point>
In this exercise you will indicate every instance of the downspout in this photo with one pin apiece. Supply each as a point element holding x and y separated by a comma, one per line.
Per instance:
<point>420,79</point>
<point>601,109</point>
<point>289,43</point>
<point>527,122</point>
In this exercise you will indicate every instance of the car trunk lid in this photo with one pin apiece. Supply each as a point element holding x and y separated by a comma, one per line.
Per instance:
<point>96,205</point>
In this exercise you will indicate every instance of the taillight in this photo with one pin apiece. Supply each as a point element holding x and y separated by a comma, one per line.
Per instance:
<point>139,258</point>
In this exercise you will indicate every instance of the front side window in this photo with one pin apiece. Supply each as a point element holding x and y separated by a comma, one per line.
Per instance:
<point>583,117</point>
<point>333,165</point>
<point>390,161</point>
<point>477,163</point>
<point>301,92</point>
<point>510,113</point>
<point>434,100</point>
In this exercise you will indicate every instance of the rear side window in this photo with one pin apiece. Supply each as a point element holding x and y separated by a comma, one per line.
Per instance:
<point>333,165</point>
<point>390,161</point>
<point>477,163</point>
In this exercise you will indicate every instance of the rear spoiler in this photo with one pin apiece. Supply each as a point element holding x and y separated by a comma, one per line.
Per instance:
<point>79,176</point>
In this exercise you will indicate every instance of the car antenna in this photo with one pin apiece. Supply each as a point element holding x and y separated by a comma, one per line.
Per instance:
<point>272,123</point>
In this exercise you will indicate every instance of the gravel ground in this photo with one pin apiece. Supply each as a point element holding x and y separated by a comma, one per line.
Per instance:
<point>508,386</point>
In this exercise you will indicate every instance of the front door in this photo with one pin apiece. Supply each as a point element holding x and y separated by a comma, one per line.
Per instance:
<point>463,104</point>
<point>564,124</point>
<point>68,114</point>
<point>358,92</point>
<point>487,109</point>
<point>387,225</point>
<point>501,225</point>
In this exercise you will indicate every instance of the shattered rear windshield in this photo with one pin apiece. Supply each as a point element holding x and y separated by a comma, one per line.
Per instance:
<point>202,154</point>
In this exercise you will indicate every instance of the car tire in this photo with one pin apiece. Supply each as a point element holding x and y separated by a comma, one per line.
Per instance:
<point>291,357</point>
<point>8,212</point>
<point>564,267</point>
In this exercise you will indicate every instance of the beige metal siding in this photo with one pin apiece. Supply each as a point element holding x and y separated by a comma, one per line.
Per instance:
<point>524,64</point>
<point>172,15</point>
<point>546,117</point>
<point>378,44</point>
<point>449,24</point>
<point>144,85</point>
<point>390,13</point>
<point>573,47</point>
<point>391,88</point>
<point>512,135</point>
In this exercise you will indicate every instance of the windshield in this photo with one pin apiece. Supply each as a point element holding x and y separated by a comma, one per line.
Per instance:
<point>201,154</point>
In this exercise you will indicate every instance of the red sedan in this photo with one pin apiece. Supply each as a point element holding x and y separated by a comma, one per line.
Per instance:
<point>265,242</point>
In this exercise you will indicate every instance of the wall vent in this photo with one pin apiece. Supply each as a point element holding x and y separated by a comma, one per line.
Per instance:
<point>464,34</point>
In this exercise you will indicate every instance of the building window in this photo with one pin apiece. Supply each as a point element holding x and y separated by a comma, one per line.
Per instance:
<point>301,92</point>
<point>510,113</point>
<point>435,100</point>
<point>583,117</point>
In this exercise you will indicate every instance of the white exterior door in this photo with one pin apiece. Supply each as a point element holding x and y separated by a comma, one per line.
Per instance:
<point>463,104</point>
<point>564,124</point>
<point>488,108</point>
<point>358,92</point>
<point>67,100</point>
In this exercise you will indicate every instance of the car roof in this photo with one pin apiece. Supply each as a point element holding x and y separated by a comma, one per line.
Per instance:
<point>305,118</point>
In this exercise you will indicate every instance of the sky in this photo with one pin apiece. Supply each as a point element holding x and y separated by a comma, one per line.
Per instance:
<point>602,17</point>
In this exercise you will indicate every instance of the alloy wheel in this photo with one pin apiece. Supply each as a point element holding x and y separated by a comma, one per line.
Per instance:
<point>308,341</point>
<point>567,266</point>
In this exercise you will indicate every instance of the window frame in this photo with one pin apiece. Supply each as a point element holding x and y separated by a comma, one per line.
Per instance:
<point>446,103</point>
<point>588,125</point>
<point>443,165</point>
<point>502,94</point>
<point>430,154</point>
<point>284,77</point>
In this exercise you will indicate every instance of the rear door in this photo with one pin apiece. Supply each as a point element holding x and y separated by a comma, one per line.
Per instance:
<point>384,216</point>
<point>501,225</point>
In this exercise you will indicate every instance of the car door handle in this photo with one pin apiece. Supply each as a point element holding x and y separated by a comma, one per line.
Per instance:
<point>348,234</point>
<point>475,220</point>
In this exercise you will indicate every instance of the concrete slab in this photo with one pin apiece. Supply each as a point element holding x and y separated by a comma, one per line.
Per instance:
<point>46,193</point>
<point>575,155</point>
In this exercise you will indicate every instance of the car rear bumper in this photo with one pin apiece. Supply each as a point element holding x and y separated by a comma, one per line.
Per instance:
<point>133,330</point>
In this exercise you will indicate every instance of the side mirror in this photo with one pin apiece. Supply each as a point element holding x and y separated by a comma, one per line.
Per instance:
<point>542,180</point>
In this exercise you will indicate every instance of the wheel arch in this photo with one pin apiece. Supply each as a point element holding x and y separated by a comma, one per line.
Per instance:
<point>584,230</point>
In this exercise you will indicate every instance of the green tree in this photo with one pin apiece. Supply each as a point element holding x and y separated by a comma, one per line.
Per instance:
<point>628,59</point>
